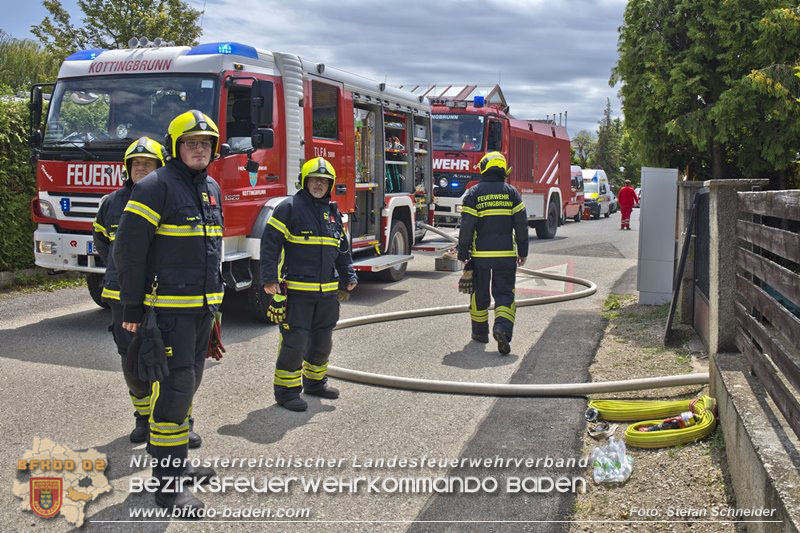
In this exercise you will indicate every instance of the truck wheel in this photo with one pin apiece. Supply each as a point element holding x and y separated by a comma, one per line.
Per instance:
<point>578,217</point>
<point>607,214</point>
<point>596,214</point>
<point>95,284</point>
<point>398,245</point>
<point>259,301</point>
<point>546,229</point>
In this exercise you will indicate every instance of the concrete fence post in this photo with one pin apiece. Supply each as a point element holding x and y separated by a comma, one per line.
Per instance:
<point>723,213</point>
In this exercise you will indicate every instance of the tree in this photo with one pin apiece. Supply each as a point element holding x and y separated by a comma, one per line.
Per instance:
<point>23,62</point>
<point>112,23</point>
<point>583,144</point>
<point>698,86</point>
<point>607,154</point>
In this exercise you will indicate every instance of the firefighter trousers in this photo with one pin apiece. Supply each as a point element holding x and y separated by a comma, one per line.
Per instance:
<point>186,336</point>
<point>139,390</point>
<point>501,281</point>
<point>306,340</point>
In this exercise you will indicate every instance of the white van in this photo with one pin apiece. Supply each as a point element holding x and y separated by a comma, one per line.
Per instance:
<point>596,193</point>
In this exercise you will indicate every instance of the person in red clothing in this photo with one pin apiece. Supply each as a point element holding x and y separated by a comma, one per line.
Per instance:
<point>627,199</point>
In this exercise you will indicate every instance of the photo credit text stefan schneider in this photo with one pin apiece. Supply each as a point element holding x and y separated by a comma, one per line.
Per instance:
<point>375,475</point>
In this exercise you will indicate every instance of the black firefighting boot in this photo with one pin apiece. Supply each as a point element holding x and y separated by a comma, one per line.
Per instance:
<point>142,429</point>
<point>294,404</point>
<point>194,439</point>
<point>503,341</point>
<point>200,475</point>
<point>320,388</point>
<point>178,498</point>
<point>483,338</point>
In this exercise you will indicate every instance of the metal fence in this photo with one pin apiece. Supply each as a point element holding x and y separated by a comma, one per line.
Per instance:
<point>768,294</point>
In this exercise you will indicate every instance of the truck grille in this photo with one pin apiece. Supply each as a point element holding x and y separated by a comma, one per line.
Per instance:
<point>456,184</point>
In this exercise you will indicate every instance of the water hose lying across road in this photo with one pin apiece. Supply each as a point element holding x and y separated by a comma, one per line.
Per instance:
<point>501,389</point>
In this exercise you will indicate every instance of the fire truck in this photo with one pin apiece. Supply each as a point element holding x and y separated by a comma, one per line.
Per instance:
<point>465,130</point>
<point>274,111</point>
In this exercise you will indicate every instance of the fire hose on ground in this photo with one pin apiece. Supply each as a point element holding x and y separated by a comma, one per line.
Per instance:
<point>526,390</point>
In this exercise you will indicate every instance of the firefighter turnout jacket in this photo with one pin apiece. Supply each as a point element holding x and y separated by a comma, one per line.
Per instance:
<point>104,231</point>
<point>494,224</point>
<point>302,245</point>
<point>170,233</point>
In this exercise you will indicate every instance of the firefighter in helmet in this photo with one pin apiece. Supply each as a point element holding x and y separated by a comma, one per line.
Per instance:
<point>493,241</point>
<point>142,157</point>
<point>168,251</point>
<point>305,261</point>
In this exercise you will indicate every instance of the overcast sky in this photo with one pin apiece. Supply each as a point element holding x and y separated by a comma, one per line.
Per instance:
<point>548,56</point>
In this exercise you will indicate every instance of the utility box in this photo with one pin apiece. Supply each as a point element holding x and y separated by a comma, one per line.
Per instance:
<point>657,215</point>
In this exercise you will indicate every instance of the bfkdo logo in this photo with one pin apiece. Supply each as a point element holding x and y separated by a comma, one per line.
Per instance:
<point>46,495</point>
<point>53,480</point>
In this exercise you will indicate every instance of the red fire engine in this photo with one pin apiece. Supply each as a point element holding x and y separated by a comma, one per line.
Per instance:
<point>274,110</point>
<point>537,151</point>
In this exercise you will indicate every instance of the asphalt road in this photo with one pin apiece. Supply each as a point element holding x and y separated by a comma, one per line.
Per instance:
<point>62,381</point>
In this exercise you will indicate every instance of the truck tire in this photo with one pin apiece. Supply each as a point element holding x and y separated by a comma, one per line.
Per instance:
<point>546,229</point>
<point>399,244</point>
<point>259,301</point>
<point>95,284</point>
<point>578,217</point>
<point>607,214</point>
<point>596,214</point>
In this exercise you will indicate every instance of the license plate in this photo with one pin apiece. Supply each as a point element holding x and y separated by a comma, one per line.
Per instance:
<point>90,247</point>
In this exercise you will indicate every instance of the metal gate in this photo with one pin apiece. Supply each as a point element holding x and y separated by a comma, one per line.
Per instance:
<point>700,307</point>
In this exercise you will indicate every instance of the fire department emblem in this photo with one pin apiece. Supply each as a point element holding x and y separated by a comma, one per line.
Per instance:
<point>253,178</point>
<point>46,495</point>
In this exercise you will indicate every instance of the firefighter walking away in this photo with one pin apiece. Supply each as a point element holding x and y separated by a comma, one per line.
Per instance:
<point>305,262</point>
<point>168,251</point>
<point>492,241</point>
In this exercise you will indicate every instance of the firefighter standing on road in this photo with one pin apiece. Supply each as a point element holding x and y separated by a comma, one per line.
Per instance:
<point>168,251</point>
<point>494,240</point>
<point>142,157</point>
<point>305,246</point>
<point>627,199</point>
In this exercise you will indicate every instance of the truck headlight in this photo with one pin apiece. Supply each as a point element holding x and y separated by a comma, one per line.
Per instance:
<point>46,208</point>
<point>46,247</point>
<point>458,208</point>
<point>442,182</point>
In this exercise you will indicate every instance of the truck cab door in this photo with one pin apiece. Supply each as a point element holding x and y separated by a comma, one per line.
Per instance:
<point>329,133</point>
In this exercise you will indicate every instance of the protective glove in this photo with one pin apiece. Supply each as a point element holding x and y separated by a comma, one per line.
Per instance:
<point>465,283</point>
<point>343,294</point>
<point>148,348</point>
<point>215,347</point>
<point>276,311</point>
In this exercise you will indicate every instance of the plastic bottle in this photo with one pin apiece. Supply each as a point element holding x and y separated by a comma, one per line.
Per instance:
<point>610,463</point>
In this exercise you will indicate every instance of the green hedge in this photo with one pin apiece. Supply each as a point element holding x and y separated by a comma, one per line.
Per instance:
<point>17,185</point>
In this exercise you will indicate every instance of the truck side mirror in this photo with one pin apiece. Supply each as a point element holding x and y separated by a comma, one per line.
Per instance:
<point>261,103</point>
<point>262,138</point>
<point>35,107</point>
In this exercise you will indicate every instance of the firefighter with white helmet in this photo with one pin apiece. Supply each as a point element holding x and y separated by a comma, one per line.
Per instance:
<point>168,251</point>
<point>493,240</point>
<point>305,262</point>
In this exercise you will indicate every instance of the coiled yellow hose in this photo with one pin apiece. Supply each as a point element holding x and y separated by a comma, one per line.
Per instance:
<point>649,413</point>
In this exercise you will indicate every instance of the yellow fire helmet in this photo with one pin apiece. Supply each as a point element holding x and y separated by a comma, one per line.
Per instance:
<point>190,124</point>
<point>143,147</point>
<point>318,166</point>
<point>494,159</point>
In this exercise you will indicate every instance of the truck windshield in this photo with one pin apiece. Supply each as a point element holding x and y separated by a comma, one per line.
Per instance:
<point>458,132</point>
<point>113,111</point>
<point>590,187</point>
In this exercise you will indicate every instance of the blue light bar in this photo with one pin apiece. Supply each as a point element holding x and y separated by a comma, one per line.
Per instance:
<point>233,49</point>
<point>83,55</point>
<point>478,101</point>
